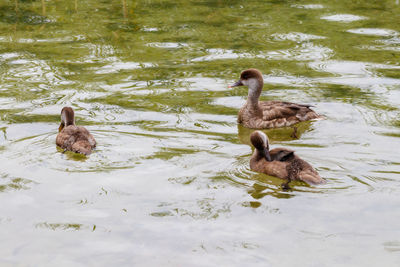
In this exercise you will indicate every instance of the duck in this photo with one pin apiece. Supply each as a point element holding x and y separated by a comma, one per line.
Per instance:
<point>257,114</point>
<point>280,162</point>
<point>71,137</point>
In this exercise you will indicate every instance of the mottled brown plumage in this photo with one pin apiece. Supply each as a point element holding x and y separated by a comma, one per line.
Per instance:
<point>268,114</point>
<point>280,162</point>
<point>74,138</point>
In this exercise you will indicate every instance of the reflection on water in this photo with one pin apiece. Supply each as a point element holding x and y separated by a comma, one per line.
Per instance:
<point>278,134</point>
<point>296,37</point>
<point>343,18</point>
<point>8,183</point>
<point>170,180</point>
<point>371,31</point>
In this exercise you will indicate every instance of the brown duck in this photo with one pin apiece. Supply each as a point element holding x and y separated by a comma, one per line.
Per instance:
<point>268,114</point>
<point>71,137</point>
<point>280,162</point>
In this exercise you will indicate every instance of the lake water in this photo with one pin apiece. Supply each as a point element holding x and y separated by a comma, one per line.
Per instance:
<point>169,183</point>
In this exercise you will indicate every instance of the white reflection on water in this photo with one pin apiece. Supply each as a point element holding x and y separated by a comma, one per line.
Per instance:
<point>309,6</point>
<point>303,52</point>
<point>296,36</point>
<point>167,45</point>
<point>63,39</point>
<point>150,29</point>
<point>360,75</point>
<point>36,74</point>
<point>350,67</point>
<point>343,18</point>
<point>374,31</point>
<point>357,74</point>
<point>218,53</point>
<point>391,44</point>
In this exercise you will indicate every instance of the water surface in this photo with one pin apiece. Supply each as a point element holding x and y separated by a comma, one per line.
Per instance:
<point>169,183</point>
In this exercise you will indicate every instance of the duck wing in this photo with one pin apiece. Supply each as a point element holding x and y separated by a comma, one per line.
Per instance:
<point>84,134</point>
<point>77,139</point>
<point>280,110</point>
<point>281,154</point>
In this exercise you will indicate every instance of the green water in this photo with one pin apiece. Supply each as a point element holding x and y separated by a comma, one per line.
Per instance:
<point>169,183</point>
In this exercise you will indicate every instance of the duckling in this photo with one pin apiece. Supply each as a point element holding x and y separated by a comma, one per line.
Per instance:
<point>71,137</point>
<point>268,114</point>
<point>280,162</point>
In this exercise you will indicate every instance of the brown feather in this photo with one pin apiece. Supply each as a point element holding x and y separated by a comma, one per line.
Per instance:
<point>270,114</point>
<point>74,138</point>
<point>292,168</point>
<point>285,163</point>
<point>275,114</point>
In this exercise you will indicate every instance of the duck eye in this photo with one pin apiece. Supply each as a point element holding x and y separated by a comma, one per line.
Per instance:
<point>246,76</point>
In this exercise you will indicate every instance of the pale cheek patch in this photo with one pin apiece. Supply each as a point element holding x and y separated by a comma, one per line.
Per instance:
<point>263,137</point>
<point>253,85</point>
<point>63,118</point>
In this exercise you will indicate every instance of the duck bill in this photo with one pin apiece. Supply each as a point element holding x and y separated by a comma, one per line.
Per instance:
<point>267,155</point>
<point>238,83</point>
<point>61,127</point>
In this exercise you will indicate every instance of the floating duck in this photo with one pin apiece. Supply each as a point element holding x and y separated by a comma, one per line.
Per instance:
<point>71,137</point>
<point>268,114</point>
<point>280,162</point>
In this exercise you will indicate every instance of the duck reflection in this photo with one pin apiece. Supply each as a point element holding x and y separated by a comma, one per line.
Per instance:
<point>71,155</point>
<point>265,185</point>
<point>277,134</point>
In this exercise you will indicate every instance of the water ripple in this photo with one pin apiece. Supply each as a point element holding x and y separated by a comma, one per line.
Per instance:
<point>296,37</point>
<point>217,54</point>
<point>303,52</point>
<point>374,31</point>
<point>343,18</point>
<point>308,6</point>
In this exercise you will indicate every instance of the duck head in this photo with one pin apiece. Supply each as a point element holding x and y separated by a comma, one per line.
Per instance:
<point>260,142</point>
<point>252,78</point>
<point>67,118</point>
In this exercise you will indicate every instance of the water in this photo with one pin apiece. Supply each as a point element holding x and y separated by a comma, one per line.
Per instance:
<point>169,183</point>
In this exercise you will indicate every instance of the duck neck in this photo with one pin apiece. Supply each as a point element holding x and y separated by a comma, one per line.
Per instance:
<point>67,120</point>
<point>255,88</point>
<point>70,123</point>
<point>260,154</point>
<point>263,152</point>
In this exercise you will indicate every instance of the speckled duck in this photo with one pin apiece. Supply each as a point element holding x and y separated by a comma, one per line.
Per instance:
<point>71,137</point>
<point>268,114</point>
<point>280,162</point>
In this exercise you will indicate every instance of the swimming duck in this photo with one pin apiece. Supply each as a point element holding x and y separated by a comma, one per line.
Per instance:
<point>280,162</point>
<point>268,114</point>
<point>71,137</point>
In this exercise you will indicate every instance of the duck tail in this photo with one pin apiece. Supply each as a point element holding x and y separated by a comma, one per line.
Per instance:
<point>319,118</point>
<point>311,177</point>
<point>82,147</point>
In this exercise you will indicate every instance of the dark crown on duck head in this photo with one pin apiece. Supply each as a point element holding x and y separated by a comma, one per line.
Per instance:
<point>260,142</point>
<point>249,74</point>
